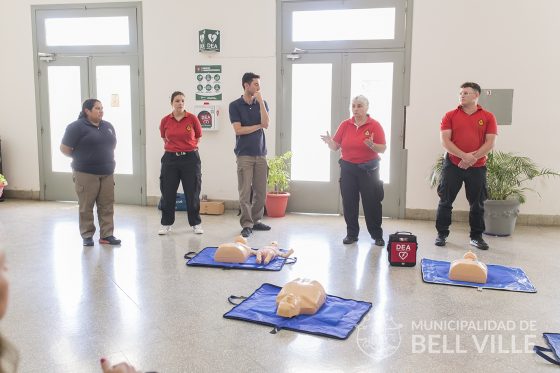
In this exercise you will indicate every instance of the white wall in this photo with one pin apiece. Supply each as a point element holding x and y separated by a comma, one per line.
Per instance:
<point>248,34</point>
<point>500,44</point>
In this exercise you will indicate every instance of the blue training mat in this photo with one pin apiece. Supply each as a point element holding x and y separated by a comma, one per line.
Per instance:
<point>553,342</point>
<point>499,277</point>
<point>205,258</point>
<point>337,318</point>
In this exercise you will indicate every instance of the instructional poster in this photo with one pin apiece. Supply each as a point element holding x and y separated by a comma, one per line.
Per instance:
<point>208,82</point>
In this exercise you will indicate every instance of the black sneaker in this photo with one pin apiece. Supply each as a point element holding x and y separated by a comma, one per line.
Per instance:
<point>261,227</point>
<point>88,241</point>
<point>479,243</point>
<point>349,239</point>
<point>246,232</point>
<point>110,240</point>
<point>440,240</point>
<point>379,241</point>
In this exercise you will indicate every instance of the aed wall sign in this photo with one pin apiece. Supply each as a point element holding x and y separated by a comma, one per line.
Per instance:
<point>209,40</point>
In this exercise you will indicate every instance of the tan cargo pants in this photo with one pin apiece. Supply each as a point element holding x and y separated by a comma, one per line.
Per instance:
<point>95,190</point>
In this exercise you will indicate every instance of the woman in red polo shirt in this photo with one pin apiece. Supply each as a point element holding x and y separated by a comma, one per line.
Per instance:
<point>360,139</point>
<point>180,132</point>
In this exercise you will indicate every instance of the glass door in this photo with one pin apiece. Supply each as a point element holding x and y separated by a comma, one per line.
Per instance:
<point>66,83</point>
<point>319,88</point>
<point>332,51</point>
<point>115,84</point>
<point>314,88</point>
<point>379,77</point>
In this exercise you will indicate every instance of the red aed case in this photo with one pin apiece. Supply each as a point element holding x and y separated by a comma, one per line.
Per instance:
<point>401,249</point>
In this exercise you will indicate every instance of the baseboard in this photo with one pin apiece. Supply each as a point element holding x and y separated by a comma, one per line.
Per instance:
<point>228,204</point>
<point>412,214</point>
<point>463,216</point>
<point>22,194</point>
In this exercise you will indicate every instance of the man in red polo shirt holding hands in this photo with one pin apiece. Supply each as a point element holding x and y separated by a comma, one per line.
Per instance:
<point>468,133</point>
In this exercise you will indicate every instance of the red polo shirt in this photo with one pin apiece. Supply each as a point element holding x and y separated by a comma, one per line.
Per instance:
<point>180,136</point>
<point>351,139</point>
<point>468,132</point>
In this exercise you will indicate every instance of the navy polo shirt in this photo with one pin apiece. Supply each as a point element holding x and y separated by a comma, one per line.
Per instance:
<point>253,144</point>
<point>94,147</point>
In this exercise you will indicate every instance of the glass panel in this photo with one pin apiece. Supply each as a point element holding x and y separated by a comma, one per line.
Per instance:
<point>375,81</point>
<point>64,106</point>
<point>87,31</point>
<point>308,124</point>
<point>113,90</point>
<point>344,24</point>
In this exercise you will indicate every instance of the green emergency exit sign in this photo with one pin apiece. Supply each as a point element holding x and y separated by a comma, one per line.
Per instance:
<point>209,40</point>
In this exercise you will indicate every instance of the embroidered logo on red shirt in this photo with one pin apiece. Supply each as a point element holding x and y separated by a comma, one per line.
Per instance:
<point>188,127</point>
<point>367,133</point>
<point>481,122</point>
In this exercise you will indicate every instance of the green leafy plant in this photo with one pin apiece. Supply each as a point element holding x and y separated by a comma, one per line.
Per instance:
<point>3,181</point>
<point>279,172</point>
<point>506,175</point>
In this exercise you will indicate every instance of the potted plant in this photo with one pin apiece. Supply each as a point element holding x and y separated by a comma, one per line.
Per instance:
<point>3,183</point>
<point>506,177</point>
<point>278,184</point>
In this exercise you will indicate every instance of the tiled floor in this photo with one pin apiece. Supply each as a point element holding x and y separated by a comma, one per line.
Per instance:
<point>70,305</point>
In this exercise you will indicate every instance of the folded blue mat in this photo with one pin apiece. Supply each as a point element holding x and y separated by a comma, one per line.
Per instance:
<point>553,342</point>
<point>499,277</point>
<point>205,258</point>
<point>337,318</point>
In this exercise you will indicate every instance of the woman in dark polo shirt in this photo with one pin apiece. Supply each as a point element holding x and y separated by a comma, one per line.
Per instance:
<point>180,132</point>
<point>360,140</point>
<point>90,142</point>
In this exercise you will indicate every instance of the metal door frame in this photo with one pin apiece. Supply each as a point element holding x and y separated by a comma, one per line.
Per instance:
<point>401,43</point>
<point>134,49</point>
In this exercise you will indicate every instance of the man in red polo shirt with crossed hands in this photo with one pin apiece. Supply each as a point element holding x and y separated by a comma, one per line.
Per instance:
<point>468,133</point>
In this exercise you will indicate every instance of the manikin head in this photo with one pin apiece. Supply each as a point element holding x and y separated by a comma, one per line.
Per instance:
<point>289,306</point>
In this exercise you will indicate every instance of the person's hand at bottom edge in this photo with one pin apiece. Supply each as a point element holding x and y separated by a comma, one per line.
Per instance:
<point>117,368</point>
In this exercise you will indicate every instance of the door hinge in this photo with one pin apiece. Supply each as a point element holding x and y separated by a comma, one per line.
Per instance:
<point>47,57</point>
<point>295,54</point>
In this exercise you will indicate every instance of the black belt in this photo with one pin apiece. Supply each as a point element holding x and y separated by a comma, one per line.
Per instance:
<point>179,154</point>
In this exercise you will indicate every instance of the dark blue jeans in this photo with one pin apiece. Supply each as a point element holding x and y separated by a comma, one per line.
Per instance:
<point>452,179</point>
